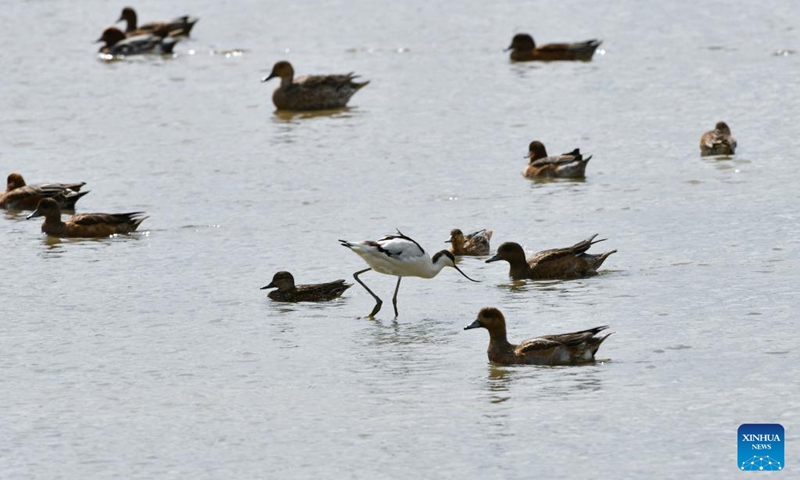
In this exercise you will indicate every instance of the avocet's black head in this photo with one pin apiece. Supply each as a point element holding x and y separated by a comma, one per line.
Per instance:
<point>449,260</point>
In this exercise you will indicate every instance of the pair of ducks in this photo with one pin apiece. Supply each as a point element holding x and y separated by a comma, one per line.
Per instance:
<point>48,199</point>
<point>324,92</point>
<point>154,37</point>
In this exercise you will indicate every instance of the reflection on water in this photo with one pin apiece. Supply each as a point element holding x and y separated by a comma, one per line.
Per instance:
<point>285,116</point>
<point>542,381</point>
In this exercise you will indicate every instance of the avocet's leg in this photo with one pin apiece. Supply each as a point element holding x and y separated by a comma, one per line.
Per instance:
<point>394,299</point>
<point>378,301</point>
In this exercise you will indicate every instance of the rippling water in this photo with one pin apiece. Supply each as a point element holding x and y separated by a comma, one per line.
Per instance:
<point>156,356</point>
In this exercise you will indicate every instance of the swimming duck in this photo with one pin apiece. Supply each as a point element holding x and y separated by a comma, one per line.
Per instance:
<point>287,291</point>
<point>86,224</point>
<point>311,92</point>
<point>554,264</point>
<point>475,244</point>
<point>173,28</point>
<point>563,349</point>
<point>718,141</point>
<point>524,49</point>
<point>566,165</point>
<point>20,196</point>
<point>118,44</point>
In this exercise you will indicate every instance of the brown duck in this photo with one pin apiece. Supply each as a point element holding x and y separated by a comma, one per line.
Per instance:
<point>311,92</point>
<point>475,244</point>
<point>524,49</point>
<point>718,141</point>
<point>564,349</point>
<point>20,196</point>
<point>287,291</point>
<point>554,264</point>
<point>567,165</point>
<point>85,225</point>
<point>180,26</point>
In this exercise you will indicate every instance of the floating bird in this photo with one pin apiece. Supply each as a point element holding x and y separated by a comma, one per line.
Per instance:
<point>173,28</point>
<point>718,141</point>
<point>311,92</point>
<point>20,196</point>
<point>86,224</point>
<point>117,44</point>
<point>567,165</point>
<point>524,49</point>
<point>476,243</point>
<point>400,256</point>
<point>287,291</point>
<point>564,349</point>
<point>555,264</point>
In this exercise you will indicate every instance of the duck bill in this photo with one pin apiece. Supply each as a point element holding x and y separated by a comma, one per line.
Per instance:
<point>509,48</point>
<point>271,285</point>
<point>475,324</point>
<point>465,275</point>
<point>495,258</point>
<point>449,240</point>
<point>98,40</point>
<point>35,214</point>
<point>268,77</point>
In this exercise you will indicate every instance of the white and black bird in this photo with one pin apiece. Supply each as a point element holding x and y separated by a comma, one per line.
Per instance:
<point>400,256</point>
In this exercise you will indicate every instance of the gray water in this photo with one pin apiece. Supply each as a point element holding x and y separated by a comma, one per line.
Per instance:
<point>155,355</point>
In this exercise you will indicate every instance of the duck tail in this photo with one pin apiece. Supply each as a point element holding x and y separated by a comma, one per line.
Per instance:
<point>586,160</point>
<point>168,44</point>
<point>581,247</point>
<point>599,259</point>
<point>70,200</point>
<point>135,222</point>
<point>358,85</point>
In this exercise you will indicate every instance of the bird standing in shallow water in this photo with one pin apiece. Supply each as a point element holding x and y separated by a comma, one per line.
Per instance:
<point>287,291</point>
<point>564,349</point>
<point>718,141</point>
<point>400,256</point>
<point>553,264</point>
<point>311,92</point>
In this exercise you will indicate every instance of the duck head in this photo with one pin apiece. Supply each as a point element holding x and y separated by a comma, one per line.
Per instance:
<point>111,35</point>
<point>129,15</point>
<point>456,236</point>
<point>446,259</point>
<point>282,69</point>
<point>489,318</point>
<point>536,151</point>
<point>15,180</point>
<point>510,252</point>
<point>722,127</point>
<point>47,208</point>
<point>522,42</point>
<point>282,281</point>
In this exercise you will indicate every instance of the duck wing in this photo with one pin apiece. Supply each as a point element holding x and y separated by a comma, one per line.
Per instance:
<point>539,345</point>
<point>575,338</point>
<point>570,47</point>
<point>88,219</point>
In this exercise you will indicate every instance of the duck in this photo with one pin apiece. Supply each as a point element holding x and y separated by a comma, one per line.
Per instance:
<point>116,43</point>
<point>566,165</point>
<point>287,291</point>
<point>311,92</point>
<point>555,264</point>
<point>180,26</point>
<point>718,141</point>
<point>474,244</point>
<point>21,196</point>
<point>523,49</point>
<point>573,348</point>
<point>85,225</point>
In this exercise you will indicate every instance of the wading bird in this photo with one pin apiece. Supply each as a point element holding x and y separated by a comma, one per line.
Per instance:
<point>400,256</point>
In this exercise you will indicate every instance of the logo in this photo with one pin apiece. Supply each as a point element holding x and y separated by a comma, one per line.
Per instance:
<point>761,447</point>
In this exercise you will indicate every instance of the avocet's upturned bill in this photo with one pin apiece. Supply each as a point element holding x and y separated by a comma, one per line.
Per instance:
<point>399,256</point>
